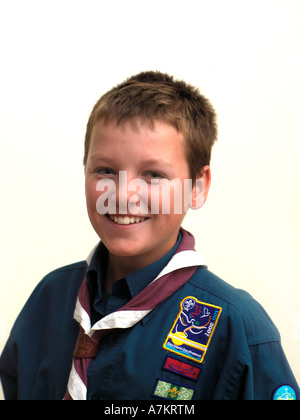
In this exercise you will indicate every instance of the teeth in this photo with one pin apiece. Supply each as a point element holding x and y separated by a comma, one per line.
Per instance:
<point>126,220</point>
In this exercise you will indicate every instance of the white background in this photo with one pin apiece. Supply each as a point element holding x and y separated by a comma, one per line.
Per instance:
<point>59,56</point>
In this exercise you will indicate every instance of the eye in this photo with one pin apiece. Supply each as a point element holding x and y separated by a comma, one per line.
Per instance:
<point>154,175</point>
<point>105,171</point>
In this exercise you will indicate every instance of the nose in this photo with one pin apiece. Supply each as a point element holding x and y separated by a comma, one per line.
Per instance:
<point>122,192</point>
<point>132,195</point>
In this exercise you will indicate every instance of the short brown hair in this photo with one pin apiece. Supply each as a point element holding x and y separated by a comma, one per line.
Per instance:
<point>150,97</point>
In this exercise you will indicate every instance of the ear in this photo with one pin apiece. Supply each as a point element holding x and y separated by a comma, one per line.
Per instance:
<point>201,188</point>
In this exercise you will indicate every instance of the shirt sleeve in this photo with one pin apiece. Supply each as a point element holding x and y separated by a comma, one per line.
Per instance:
<point>8,372</point>
<point>32,365</point>
<point>269,374</point>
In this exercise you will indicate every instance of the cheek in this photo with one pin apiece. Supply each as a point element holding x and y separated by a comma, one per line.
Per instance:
<point>91,195</point>
<point>170,197</point>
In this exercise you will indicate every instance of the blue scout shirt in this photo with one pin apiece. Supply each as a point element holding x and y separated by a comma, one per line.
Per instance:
<point>244,358</point>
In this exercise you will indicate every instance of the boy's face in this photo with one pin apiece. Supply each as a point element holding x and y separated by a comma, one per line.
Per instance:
<point>147,155</point>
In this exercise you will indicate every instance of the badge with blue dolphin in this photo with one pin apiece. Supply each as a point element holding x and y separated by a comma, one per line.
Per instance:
<point>193,329</point>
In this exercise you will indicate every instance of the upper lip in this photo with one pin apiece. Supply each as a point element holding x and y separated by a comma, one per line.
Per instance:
<point>128,215</point>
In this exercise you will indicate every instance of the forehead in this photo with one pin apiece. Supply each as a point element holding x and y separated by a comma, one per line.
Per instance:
<point>127,146</point>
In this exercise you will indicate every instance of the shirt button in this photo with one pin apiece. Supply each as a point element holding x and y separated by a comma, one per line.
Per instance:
<point>96,397</point>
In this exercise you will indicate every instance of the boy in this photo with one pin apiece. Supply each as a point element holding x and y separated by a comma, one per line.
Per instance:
<point>154,323</point>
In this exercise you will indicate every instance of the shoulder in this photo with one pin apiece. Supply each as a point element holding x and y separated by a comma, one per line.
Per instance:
<point>52,301</point>
<point>62,278</point>
<point>238,305</point>
<point>64,281</point>
<point>58,288</point>
<point>65,273</point>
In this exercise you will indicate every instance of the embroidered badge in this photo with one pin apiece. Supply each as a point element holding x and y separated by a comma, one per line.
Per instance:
<point>181,368</point>
<point>172,391</point>
<point>193,328</point>
<point>285,393</point>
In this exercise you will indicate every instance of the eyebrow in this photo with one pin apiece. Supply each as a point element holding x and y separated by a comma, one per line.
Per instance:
<point>146,162</point>
<point>153,162</point>
<point>101,157</point>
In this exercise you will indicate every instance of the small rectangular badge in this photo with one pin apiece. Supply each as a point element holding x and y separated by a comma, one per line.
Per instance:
<point>181,368</point>
<point>172,391</point>
<point>193,328</point>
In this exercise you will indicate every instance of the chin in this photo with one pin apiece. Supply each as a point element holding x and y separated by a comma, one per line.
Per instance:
<point>123,249</point>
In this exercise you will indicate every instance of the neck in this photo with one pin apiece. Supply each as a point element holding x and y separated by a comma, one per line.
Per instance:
<point>119,267</point>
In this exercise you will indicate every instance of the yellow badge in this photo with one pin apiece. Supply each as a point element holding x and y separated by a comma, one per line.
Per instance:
<point>193,329</point>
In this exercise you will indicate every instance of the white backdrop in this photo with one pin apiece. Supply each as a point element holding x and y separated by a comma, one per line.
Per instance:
<point>59,56</point>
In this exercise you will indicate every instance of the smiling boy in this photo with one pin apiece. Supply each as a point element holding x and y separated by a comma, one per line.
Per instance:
<point>147,154</point>
<point>143,318</point>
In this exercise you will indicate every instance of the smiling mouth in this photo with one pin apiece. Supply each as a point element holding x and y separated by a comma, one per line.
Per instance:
<point>126,220</point>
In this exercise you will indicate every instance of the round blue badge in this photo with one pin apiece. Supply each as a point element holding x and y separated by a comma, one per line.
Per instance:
<point>285,393</point>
